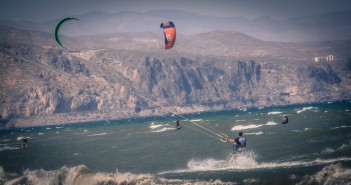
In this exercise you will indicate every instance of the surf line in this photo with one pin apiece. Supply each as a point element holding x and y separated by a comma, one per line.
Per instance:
<point>212,132</point>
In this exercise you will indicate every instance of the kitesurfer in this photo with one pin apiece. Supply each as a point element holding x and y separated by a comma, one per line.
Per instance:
<point>24,140</point>
<point>239,143</point>
<point>285,120</point>
<point>177,123</point>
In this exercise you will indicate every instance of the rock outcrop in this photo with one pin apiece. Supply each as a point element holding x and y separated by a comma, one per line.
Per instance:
<point>38,80</point>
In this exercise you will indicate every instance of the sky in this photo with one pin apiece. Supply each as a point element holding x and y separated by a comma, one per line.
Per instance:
<point>44,10</point>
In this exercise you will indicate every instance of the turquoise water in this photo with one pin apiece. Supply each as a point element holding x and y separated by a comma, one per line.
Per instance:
<point>312,148</point>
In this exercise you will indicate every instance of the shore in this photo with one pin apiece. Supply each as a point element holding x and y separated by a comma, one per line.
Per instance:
<point>80,117</point>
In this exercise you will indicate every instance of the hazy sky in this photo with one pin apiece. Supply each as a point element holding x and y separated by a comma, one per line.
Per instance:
<point>43,10</point>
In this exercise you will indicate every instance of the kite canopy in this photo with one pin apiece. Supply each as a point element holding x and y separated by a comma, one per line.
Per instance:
<point>170,34</point>
<point>57,28</point>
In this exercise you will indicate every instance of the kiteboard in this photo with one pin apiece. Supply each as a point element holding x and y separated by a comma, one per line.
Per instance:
<point>177,128</point>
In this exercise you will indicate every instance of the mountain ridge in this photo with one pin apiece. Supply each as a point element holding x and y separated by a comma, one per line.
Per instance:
<point>328,26</point>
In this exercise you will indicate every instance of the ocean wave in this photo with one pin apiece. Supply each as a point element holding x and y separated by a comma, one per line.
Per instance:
<point>252,126</point>
<point>196,120</point>
<point>81,175</point>
<point>305,109</point>
<point>248,162</point>
<point>254,133</point>
<point>273,113</point>
<point>164,129</point>
<point>243,161</point>
<point>331,174</point>
<point>100,134</point>
<point>4,140</point>
<point>344,126</point>
<point>272,123</point>
<point>240,120</point>
<point>153,125</point>
<point>6,147</point>
<point>243,109</point>
<point>331,150</point>
<point>245,127</point>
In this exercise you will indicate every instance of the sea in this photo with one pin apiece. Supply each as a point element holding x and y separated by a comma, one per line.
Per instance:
<point>314,147</point>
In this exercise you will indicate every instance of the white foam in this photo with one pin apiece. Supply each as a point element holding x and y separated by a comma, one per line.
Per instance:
<point>274,112</point>
<point>21,137</point>
<point>100,134</point>
<point>240,120</point>
<point>164,129</point>
<point>153,125</point>
<point>254,133</point>
<point>245,127</point>
<point>6,147</point>
<point>331,150</point>
<point>305,109</point>
<point>252,126</point>
<point>332,174</point>
<point>248,163</point>
<point>196,120</point>
<point>344,126</point>
<point>81,175</point>
<point>271,123</point>
<point>243,109</point>
<point>328,150</point>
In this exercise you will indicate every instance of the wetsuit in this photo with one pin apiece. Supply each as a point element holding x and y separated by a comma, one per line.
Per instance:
<point>239,145</point>
<point>286,120</point>
<point>178,124</point>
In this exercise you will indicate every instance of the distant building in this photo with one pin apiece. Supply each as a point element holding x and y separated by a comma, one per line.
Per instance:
<point>328,58</point>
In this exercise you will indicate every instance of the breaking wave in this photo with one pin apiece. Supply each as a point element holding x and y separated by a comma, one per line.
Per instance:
<point>305,109</point>
<point>153,125</point>
<point>81,175</point>
<point>7,147</point>
<point>164,129</point>
<point>331,174</point>
<point>252,126</point>
<point>254,133</point>
<point>332,150</point>
<point>344,126</point>
<point>100,134</point>
<point>274,112</point>
<point>248,162</point>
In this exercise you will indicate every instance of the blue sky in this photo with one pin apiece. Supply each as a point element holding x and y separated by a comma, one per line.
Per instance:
<point>43,10</point>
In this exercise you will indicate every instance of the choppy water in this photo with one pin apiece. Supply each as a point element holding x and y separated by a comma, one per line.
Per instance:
<point>313,148</point>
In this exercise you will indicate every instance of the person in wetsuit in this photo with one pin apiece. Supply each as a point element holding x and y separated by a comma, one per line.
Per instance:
<point>239,143</point>
<point>24,140</point>
<point>177,123</point>
<point>285,120</point>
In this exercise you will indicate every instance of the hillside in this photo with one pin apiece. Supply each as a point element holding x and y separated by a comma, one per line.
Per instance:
<point>129,75</point>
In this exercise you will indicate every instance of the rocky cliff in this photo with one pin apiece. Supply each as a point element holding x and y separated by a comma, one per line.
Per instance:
<point>38,79</point>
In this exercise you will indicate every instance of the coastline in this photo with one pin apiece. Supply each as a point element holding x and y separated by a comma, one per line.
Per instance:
<point>90,116</point>
<point>97,116</point>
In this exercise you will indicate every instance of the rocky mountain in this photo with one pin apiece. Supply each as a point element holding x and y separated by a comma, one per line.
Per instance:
<point>127,75</point>
<point>328,26</point>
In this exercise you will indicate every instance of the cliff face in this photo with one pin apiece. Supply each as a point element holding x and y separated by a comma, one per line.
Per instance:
<point>39,80</point>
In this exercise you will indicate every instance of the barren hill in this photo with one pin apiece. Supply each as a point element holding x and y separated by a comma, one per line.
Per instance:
<point>129,75</point>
